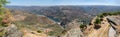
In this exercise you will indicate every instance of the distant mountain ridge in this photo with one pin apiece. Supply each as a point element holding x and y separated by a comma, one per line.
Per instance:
<point>85,8</point>
<point>65,14</point>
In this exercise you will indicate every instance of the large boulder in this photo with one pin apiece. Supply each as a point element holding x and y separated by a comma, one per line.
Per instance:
<point>12,31</point>
<point>115,23</point>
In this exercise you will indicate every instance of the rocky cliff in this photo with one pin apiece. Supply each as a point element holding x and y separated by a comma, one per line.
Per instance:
<point>108,27</point>
<point>115,24</point>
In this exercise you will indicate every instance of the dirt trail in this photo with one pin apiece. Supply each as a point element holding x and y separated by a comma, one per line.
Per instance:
<point>102,32</point>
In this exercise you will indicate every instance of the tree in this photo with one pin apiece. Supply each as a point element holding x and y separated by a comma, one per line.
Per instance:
<point>2,10</point>
<point>2,4</point>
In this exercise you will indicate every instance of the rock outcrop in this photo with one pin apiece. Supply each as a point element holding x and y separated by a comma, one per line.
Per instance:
<point>12,31</point>
<point>109,27</point>
<point>93,31</point>
<point>73,30</point>
<point>115,23</point>
<point>29,24</point>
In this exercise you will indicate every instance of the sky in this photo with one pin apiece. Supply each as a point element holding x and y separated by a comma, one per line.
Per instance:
<point>62,2</point>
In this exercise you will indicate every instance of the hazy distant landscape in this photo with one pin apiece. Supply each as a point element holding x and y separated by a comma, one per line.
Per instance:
<point>67,13</point>
<point>61,21</point>
<point>59,18</point>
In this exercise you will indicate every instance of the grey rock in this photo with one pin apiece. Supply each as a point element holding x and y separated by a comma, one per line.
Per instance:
<point>73,30</point>
<point>12,31</point>
<point>114,19</point>
<point>112,32</point>
<point>115,23</point>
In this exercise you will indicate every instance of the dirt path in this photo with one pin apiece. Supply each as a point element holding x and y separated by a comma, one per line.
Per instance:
<point>102,32</point>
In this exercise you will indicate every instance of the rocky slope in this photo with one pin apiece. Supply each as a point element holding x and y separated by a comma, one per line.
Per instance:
<point>23,24</point>
<point>12,31</point>
<point>99,30</point>
<point>115,24</point>
<point>72,30</point>
<point>36,25</point>
<point>108,27</point>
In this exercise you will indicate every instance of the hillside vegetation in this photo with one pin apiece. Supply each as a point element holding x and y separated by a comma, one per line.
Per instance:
<point>102,15</point>
<point>5,17</point>
<point>38,23</point>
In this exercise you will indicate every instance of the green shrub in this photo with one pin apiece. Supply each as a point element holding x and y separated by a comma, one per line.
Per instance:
<point>97,21</point>
<point>64,31</point>
<point>108,13</point>
<point>82,26</point>
<point>97,26</point>
<point>39,31</point>
<point>4,25</point>
<point>1,24</point>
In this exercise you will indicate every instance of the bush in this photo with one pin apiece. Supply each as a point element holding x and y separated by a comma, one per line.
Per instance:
<point>109,13</point>
<point>64,31</point>
<point>97,26</point>
<point>1,24</point>
<point>97,21</point>
<point>4,25</point>
<point>82,26</point>
<point>39,31</point>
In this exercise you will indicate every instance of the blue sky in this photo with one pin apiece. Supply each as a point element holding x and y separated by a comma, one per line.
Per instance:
<point>62,2</point>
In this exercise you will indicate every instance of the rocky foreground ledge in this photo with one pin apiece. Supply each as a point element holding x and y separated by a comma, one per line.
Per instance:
<point>108,27</point>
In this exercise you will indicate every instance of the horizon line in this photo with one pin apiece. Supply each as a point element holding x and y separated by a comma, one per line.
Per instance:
<point>62,5</point>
